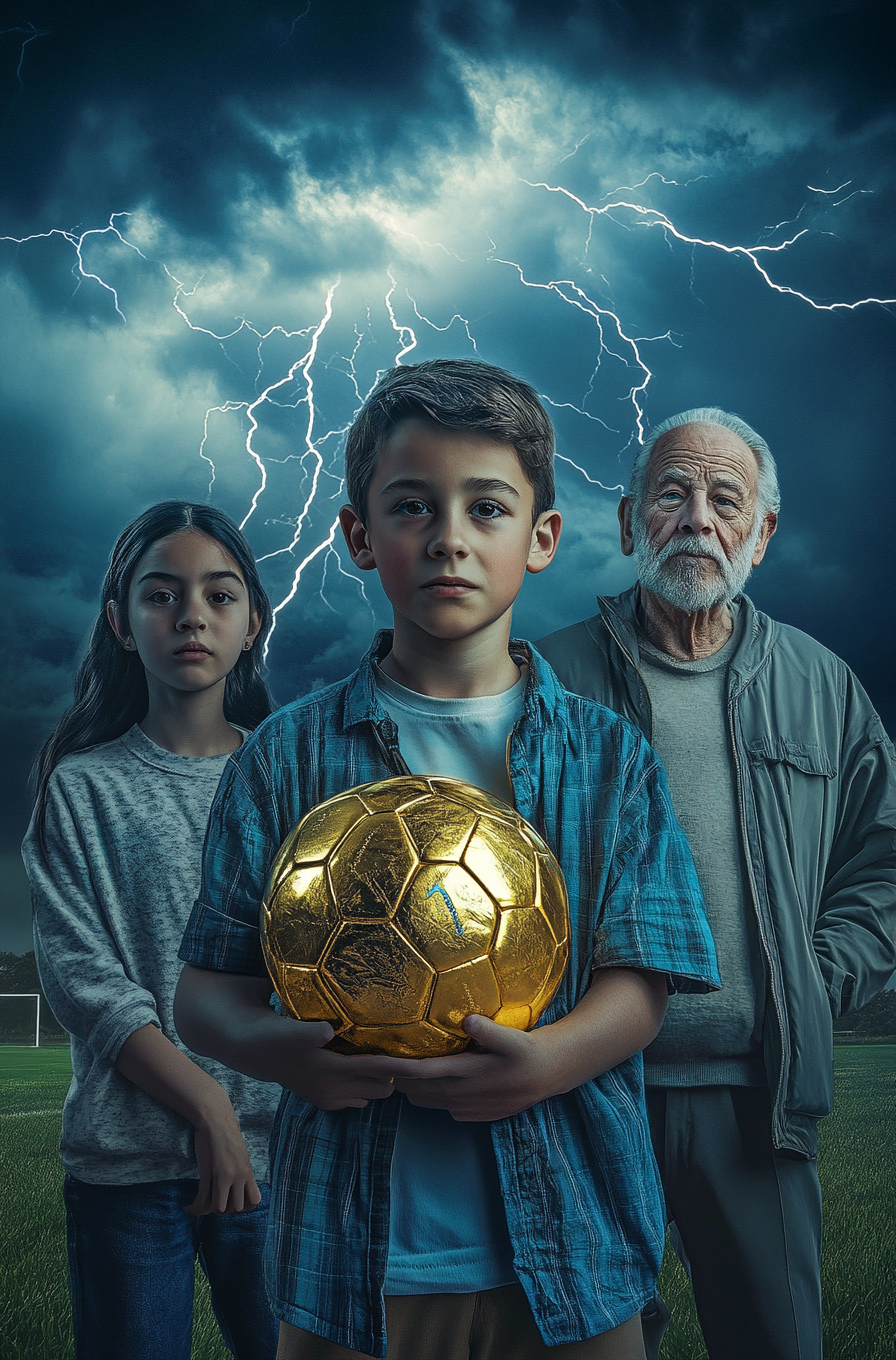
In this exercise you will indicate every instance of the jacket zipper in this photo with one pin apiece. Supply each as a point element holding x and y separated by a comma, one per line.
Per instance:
<point>631,661</point>
<point>748,860</point>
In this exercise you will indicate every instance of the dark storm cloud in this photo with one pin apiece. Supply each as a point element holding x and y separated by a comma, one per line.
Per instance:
<point>175,102</point>
<point>840,53</point>
<point>183,104</point>
<point>268,152</point>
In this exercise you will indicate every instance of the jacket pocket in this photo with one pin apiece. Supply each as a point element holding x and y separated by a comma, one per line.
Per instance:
<point>807,757</point>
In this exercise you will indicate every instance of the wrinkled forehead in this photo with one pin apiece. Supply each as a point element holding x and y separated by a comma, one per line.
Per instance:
<point>703,454</point>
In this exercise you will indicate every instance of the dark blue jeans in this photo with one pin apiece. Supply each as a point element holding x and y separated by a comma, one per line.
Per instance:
<point>131,1254</point>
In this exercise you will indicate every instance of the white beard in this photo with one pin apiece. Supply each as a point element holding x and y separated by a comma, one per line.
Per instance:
<point>674,572</point>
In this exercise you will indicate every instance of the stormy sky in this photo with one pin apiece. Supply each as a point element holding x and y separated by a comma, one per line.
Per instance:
<point>232,216</point>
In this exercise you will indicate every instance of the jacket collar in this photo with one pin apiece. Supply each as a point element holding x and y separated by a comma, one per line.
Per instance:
<point>362,702</point>
<point>620,614</point>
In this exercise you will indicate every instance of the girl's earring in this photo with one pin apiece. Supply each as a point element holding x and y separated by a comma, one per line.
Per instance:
<point>247,645</point>
<point>129,645</point>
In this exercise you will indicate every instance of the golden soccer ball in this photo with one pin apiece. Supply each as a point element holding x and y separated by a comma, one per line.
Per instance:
<point>399,908</point>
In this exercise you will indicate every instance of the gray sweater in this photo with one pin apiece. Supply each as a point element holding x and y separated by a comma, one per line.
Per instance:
<point>124,830</point>
<point>715,1039</point>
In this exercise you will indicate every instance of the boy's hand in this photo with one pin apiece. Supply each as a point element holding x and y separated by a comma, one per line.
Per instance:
<point>512,1071</point>
<point>332,1081</point>
<point>618,1015</point>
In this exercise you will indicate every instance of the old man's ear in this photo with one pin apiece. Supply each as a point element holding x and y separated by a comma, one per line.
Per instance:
<point>624,512</point>
<point>769,525</point>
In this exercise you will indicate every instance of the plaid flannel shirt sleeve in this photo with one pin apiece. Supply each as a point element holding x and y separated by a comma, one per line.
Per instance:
<point>653,915</point>
<point>241,842</point>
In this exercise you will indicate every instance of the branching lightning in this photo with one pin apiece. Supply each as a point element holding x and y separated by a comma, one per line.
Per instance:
<point>293,385</point>
<point>653,217</point>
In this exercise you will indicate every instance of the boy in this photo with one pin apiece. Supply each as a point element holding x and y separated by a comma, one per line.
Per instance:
<point>504,1204</point>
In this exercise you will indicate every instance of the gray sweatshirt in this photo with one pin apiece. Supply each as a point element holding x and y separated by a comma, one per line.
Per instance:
<point>125,825</point>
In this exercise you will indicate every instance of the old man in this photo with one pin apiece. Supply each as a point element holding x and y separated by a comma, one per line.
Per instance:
<point>783,779</point>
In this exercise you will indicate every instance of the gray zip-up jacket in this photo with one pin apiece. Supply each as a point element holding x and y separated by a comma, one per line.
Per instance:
<point>816,789</point>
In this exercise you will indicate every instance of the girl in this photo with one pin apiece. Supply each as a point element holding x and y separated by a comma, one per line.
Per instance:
<point>164,1152</point>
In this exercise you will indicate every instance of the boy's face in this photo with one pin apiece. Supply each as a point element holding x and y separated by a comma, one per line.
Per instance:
<point>449,528</point>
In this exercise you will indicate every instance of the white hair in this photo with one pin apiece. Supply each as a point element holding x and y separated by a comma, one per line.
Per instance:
<point>769,497</point>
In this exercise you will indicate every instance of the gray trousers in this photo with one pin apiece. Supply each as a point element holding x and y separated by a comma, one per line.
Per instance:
<point>749,1222</point>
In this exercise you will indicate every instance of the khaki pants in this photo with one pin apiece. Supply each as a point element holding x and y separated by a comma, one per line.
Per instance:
<point>496,1324</point>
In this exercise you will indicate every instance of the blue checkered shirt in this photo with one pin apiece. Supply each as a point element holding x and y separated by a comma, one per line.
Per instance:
<point>581,1191</point>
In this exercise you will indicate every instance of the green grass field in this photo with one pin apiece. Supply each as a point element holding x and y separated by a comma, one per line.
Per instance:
<point>856,1165</point>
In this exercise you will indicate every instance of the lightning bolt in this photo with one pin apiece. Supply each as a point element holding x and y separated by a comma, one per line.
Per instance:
<point>77,242</point>
<point>293,385</point>
<point>653,217</point>
<point>31,33</point>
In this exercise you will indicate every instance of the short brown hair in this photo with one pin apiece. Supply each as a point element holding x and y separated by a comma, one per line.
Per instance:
<point>462,394</point>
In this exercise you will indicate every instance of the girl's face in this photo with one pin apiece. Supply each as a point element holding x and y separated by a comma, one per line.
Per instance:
<point>189,615</point>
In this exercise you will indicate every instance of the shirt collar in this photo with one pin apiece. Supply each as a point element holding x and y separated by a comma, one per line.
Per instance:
<point>362,702</point>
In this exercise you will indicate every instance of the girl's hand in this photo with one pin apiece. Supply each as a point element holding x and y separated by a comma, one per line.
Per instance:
<point>226,1182</point>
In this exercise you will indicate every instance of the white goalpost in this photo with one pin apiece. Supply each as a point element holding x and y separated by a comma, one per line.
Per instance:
<point>22,996</point>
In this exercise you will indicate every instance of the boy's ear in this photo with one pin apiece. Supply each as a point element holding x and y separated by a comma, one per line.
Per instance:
<point>356,538</point>
<point>545,537</point>
<point>624,511</point>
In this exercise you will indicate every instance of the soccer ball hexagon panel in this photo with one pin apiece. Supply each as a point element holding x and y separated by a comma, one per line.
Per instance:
<point>398,908</point>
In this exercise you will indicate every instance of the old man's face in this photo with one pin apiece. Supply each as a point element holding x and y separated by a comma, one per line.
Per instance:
<point>697,535</point>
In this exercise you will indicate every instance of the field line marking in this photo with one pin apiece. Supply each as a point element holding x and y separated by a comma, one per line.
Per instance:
<point>26,1114</point>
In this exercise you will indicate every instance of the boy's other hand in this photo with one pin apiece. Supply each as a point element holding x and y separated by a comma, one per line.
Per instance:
<point>619,1014</point>
<point>509,1071</point>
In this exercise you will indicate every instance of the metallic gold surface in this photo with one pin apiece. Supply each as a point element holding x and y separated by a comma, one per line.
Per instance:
<point>386,795</point>
<point>552,895</point>
<point>523,954</point>
<point>306,915</point>
<point>470,989</point>
<point>372,865</point>
<point>400,907</point>
<point>323,829</point>
<point>377,977</point>
<point>470,796</point>
<point>304,996</point>
<point>422,1040</point>
<point>503,862</point>
<point>447,935</point>
<point>515,1017</point>
<point>440,830</point>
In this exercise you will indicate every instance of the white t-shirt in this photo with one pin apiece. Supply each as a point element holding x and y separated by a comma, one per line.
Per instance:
<point>447,1229</point>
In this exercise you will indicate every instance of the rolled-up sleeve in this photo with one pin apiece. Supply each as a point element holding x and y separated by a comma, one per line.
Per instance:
<point>240,845</point>
<point>653,915</point>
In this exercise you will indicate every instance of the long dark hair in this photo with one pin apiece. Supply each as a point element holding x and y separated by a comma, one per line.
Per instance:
<point>110,683</point>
